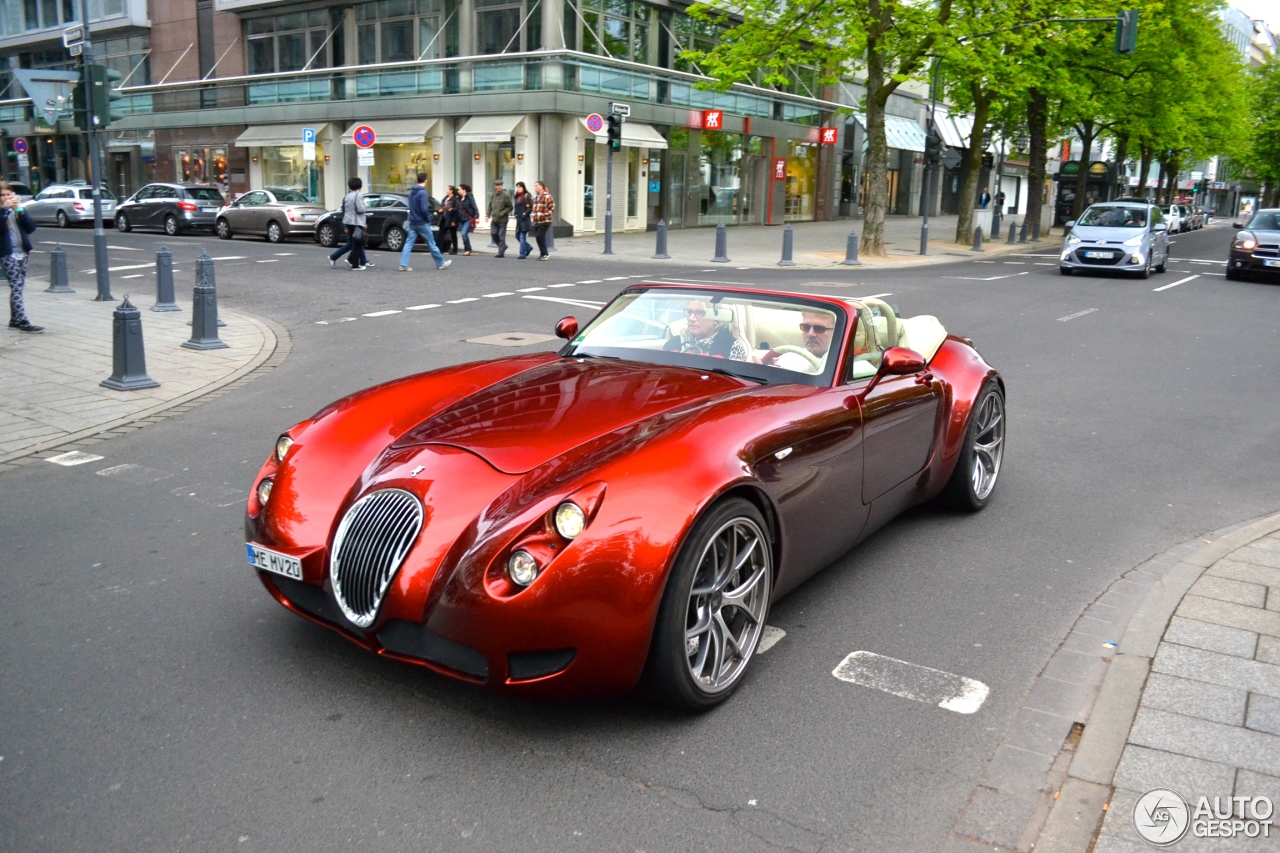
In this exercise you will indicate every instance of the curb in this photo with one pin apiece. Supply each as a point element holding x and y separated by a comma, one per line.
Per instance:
<point>1081,802</point>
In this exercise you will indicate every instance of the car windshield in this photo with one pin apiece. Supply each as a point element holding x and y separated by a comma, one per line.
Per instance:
<point>205,194</point>
<point>768,339</point>
<point>1115,217</point>
<point>106,194</point>
<point>1266,220</point>
<point>291,195</point>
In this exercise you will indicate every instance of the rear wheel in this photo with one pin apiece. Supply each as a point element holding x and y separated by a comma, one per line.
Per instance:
<point>223,229</point>
<point>122,223</point>
<point>274,232</point>
<point>395,238</point>
<point>713,609</point>
<point>978,468</point>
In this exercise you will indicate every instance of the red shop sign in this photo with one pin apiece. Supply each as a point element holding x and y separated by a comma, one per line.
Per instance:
<point>713,119</point>
<point>780,169</point>
<point>829,135</point>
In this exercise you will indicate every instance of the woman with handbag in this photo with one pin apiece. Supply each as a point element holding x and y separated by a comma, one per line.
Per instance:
<point>449,221</point>
<point>354,220</point>
<point>468,216</point>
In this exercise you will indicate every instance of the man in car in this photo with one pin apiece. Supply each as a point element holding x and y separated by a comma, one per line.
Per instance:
<point>817,327</point>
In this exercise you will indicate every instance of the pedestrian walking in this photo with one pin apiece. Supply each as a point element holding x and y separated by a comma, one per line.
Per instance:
<point>15,254</point>
<point>500,207</point>
<point>984,199</point>
<point>420,226</point>
<point>522,206</point>
<point>541,215</point>
<point>1000,197</point>
<point>468,216</point>
<point>449,220</point>
<point>354,221</point>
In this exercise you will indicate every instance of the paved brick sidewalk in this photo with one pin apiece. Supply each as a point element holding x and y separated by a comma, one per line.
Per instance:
<point>50,394</point>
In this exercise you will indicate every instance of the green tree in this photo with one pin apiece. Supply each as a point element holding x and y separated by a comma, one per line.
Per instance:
<point>1261,153</point>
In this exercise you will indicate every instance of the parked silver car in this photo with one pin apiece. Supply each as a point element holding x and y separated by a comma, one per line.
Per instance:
<point>69,204</point>
<point>274,213</point>
<point>1119,236</point>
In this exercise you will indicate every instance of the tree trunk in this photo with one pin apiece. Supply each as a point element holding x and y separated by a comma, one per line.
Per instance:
<point>1122,154</point>
<point>877,157</point>
<point>969,192</point>
<point>1144,170</point>
<point>1082,176</point>
<point>1037,121</point>
<point>1160,182</point>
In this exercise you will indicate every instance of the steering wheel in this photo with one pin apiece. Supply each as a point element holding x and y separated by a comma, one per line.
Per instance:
<point>813,360</point>
<point>892,327</point>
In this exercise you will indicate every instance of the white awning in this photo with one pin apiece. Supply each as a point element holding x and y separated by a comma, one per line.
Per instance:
<point>901,133</point>
<point>947,130</point>
<point>396,130</point>
<point>276,135</point>
<point>489,128</point>
<point>634,135</point>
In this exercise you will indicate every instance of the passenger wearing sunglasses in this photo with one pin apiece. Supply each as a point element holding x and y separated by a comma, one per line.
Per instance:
<point>707,332</point>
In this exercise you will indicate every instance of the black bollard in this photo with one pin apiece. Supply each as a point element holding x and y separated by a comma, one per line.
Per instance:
<point>1035,233</point>
<point>128,357</point>
<point>788,247</point>
<point>1013,233</point>
<point>722,245</point>
<point>660,252</point>
<point>205,272</point>
<point>58,272</point>
<point>164,281</point>
<point>977,239</point>
<point>204,322</point>
<point>851,251</point>
<point>1022,235</point>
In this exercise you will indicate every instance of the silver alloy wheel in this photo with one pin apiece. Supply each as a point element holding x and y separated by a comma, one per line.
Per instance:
<point>395,238</point>
<point>988,445</point>
<point>171,225</point>
<point>224,229</point>
<point>122,222</point>
<point>727,604</point>
<point>274,234</point>
<point>328,236</point>
<point>62,219</point>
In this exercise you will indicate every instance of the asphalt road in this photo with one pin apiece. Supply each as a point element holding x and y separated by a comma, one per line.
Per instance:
<point>154,697</point>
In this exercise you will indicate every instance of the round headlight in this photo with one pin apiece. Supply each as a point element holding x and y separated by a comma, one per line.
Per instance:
<point>522,568</point>
<point>570,520</point>
<point>283,443</point>
<point>264,491</point>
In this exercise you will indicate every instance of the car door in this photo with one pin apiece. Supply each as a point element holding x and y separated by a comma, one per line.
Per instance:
<point>376,218</point>
<point>1159,239</point>
<point>249,212</point>
<point>42,208</point>
<point>163,201</point>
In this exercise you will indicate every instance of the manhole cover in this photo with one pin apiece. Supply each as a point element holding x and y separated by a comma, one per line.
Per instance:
<point>512,339</point>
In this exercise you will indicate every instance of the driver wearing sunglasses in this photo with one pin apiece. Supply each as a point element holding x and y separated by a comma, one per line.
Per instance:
<point>707,332</point>
<point>817,328</point>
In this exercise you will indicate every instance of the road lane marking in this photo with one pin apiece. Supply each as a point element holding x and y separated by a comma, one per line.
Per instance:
<point>1043,264</point>
<point>423,307</point>
<point>73,457</point>
<point>125,267</point>
<point>135,275</point>
<point>382,313</point>
<point>912,681</point>
<point>229,258</point>
<point>285,254</point>
<point>1016,263</point>
<point>769,638</point>
<point>700,280</point>
<point>1175,284</point>
<point>268,261</point>
<point>986,278</point>
<point>339,320</point>
<point>624,278</point>
<point>581,303</point>
<point>570,284</point>
<point>1077,314</point>
<point>530,289</point>
<point>464,299</point>
<point>590,281</point>
<point>499,293</point>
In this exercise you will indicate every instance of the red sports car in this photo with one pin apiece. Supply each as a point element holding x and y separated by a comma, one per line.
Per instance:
<point>622,512</point>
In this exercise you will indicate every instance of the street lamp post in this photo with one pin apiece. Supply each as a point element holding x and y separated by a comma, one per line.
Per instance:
<point>929,167</point>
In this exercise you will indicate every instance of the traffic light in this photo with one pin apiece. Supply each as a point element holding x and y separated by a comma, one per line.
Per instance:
<point>615,132</point>
<point>932,149</point>
<point>988,160</point>
<point>114,110</point>
<point>104,106</point>
<point>1127,31</point>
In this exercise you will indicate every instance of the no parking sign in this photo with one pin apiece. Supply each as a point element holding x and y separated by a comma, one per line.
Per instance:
<point>20,145</point>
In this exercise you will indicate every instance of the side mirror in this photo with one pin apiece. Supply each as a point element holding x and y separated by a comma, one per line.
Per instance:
<point>1161,226</point>
<point>1071,224</point>
<point>567,328</point>
<point>900,361</point>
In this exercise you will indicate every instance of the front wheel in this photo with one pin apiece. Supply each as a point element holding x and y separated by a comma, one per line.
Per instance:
<point>1163,263</point>
<point>327,235</point>
<point>395,238</point>
<point>274,233</point>
<point>713,609</point>
<point>974,478</point>
<point>171,225</point>
<point>122,224</point>
<point>223,229</point>
<point>1066,270</point>
<point>1146,269</point>
<point>1233,274</point>
<point>62,219</point>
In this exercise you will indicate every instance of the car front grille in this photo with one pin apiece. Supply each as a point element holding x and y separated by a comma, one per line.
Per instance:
<point>1267,250</point>
<point>371,542</point>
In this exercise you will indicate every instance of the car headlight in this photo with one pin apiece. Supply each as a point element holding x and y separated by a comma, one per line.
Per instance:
<point>1246,241</point>
<point>264,491</point>
<point>570,520</point>
<point>522,568</point>
<point>1073,239</point>
<point>283,443</point>
<point>1134,241</point>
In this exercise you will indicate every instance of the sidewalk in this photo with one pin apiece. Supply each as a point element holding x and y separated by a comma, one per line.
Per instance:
<point>49,383</point>
<point>1190,704</point>
<point>817,245</point>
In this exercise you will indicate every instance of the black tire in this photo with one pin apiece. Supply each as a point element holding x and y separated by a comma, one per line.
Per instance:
<point>327,235</point>
<point>275,234</point>
<point>1066,270</point>
<point>1234,274</point>
<point>63,222</point>
<point>171,225</point>
<point>668,676</point>
<point>223,228</point>
<point>1163,264</point>
<point>961,492</point>
<point>122,224</point>
<point>394,239</point>
<point>1146,269</point>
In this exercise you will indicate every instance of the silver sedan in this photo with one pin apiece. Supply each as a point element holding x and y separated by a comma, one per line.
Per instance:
<point>1118,236</point>
<point>276,214</point>
<point>68,204</point>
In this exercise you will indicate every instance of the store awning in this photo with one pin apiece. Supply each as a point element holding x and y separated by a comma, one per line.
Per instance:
<point>489,128</point>
<point>901,133</point>
<point>276,135</point>
<point>947,130</point>
<point>634,135</point>
<point>396,130</point>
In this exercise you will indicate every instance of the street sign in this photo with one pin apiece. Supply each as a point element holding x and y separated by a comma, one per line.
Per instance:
<point>73,36</point>
<point>24,164</point>
<point>20,145</point>
<point>364,157</point>
<point>950,158</point>
<point>50,91</point>
<point>617,109</point>
<point>364,137</point>
<point>595,122</point>
<point>308,135</point>
<point>309,144</point>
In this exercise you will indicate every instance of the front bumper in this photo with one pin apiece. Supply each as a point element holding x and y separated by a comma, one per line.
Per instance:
<point>1267,261</point>
<point>1109,256</point>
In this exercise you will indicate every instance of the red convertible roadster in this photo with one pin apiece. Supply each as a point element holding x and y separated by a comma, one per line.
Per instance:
<point>622,512</point>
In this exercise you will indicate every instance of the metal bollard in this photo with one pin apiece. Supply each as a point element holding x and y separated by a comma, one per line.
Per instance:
<point>660,252</point>
<point>722,245</point>
<point>164,281</point>
<point>128,357</point>
<point>58,272</point>
<point>205,272</point>
<point>851,251</point>
<point>204,322</point>
<point>1013,233</point>
<point>977,239</point>
<point>788,247</point>
<point>1022,235</point>
<point>1035,233</point>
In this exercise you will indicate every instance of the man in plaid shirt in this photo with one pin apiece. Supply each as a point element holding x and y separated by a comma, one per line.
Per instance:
<point>543,207</point>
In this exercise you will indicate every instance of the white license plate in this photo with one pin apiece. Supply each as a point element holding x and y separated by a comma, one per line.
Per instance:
<point>308,216</point>
<point>271,561</point>
<point>1097,254</point>
<point>1271,263</point>
<point>209,210</point>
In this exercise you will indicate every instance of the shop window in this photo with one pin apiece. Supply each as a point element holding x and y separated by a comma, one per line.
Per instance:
<point>802,182</point>
<point>633,180</point>
<point>508,26</point>
<point>721,171</point>
<point>288,42</point>
<point>499,163</point>
<point>398,31</point>
<point>283,167</point>
<point>396,166</point>
<point>193,165</point>
<point>589,180</point>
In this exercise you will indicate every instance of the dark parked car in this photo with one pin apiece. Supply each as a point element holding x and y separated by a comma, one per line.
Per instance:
<point>172,208</point>
<point>1256,249</point>
<point>388,213</point>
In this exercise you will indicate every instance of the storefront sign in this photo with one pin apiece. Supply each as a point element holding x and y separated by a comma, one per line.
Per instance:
<point>829,135</point>
<point>364,137</point>
<point>364,157</point>
<point>713,119</point>
<point>595,123</point>
<point>780,169</point>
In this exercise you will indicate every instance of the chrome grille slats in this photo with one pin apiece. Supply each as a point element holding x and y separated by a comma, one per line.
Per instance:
<point>371,542</point>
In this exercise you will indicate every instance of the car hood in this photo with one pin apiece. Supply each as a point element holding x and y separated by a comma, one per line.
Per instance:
<point>1264,235</point>
<point>535,416</point>
<point>1102,234</point>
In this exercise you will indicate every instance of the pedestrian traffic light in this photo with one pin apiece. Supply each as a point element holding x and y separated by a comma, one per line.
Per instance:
<point>615,132</point>
<point>932,149</point>
<point>1127,31</point>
